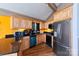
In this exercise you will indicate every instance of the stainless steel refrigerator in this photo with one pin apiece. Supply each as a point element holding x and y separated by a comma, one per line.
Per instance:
<point>62,35</point>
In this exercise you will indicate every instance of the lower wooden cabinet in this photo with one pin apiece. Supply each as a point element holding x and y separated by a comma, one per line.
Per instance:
<point>5,46</point>
<point>44,38</point>
<point>25,44</point>
<point>41,38</point>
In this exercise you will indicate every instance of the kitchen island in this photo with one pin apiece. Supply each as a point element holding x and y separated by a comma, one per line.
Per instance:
<point>6,46</point>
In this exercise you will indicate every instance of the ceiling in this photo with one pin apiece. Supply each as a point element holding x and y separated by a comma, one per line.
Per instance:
<point>36,10</point>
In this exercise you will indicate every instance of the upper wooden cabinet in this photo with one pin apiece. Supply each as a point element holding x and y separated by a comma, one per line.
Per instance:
<point>20,23</point>
<point>42,25</point>
<point>28,24</point>
<point>64,14</point>
<point>15,23</point>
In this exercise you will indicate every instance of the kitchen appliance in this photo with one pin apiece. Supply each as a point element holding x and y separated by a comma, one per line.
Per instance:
<point>26,33</point>
<point>62,34</point>
<point>16,45</point>
<point>32,38</point>
<point>9,36</point>
<point>36,26</point>
<point>50,26</point>
<point>18,35</point>
<point>49,40</point>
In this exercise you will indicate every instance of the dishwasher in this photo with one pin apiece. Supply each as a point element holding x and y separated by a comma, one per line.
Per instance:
<point>49,40</point>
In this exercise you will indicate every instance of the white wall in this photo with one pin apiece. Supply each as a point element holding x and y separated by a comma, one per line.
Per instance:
<point>74,40</point>
<point>78,26</point>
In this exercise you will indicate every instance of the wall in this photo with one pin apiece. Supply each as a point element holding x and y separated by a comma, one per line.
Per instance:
<point>78,26</point>
<point>5,44</point>
<point>74,33</point>
<point>5,26</point>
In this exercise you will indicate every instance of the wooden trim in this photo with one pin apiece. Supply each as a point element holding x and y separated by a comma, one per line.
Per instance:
<point>59,10</point>
<point>52,6</point>
<point>50,16</point>
<point>29,18</point>
<point>64,8</point>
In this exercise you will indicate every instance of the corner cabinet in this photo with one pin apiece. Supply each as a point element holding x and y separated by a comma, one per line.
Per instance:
<point>64,14</point>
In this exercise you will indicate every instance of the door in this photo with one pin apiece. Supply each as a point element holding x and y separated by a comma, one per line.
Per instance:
<point>62,50</point>
<point>61,45</point>
<point>66,33</point>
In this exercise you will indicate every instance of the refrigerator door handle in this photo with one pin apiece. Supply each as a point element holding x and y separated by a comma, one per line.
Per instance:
<point>59,33</point>
<point>55,34</point>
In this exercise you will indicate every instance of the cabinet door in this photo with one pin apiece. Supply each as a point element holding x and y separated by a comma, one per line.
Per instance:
<point>39,39</point>
<point>43,38</point>
<point>22,23</point>
<point>42,25</point>
<point>5,46</point>
<point>14,22</point>
<point>26,43</point>
<point>28,24</point>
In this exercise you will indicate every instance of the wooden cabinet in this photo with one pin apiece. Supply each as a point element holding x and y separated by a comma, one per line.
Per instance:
<point>28,24</point>
<point>22,23</point>
<point>42,25</point>
<point>64,14</point>
<point>25,44</point>
<point>41,38</point>
<point>15,22</point>
<point>44,38</point>
<point>5,46</point>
